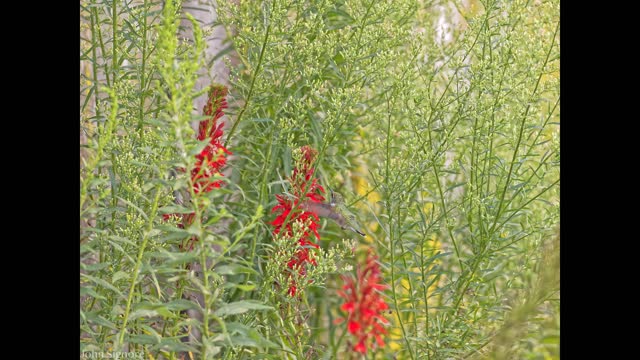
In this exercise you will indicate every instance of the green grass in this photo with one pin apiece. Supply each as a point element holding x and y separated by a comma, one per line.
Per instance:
<point>445,147</point>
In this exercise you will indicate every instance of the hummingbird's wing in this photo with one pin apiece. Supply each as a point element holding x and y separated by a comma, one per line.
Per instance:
<point>320,209</point>
<point>339,214</point>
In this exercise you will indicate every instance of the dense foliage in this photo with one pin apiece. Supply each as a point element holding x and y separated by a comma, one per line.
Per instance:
<point>437,121</point>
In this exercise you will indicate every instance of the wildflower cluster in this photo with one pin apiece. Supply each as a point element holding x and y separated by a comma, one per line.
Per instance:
<point>304,187</point>
<point>212,158</point>
<point>364,305</point>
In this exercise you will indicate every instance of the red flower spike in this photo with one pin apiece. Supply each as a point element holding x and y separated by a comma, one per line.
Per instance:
<point>364,305</point>
<point>304,187</point>
<point>212,158</point>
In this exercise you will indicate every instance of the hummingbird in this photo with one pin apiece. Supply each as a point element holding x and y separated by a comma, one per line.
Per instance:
<point>336,210</point>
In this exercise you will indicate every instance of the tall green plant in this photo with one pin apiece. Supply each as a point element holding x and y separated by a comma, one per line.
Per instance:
<point>139,285</point>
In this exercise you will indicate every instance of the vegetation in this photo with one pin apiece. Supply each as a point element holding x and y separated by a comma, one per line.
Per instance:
<point>438,121</point>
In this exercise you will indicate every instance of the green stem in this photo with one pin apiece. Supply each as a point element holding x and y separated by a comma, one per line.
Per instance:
<point>98,30</point>
<point>143,64</point>
<point>261,200</point>
<point>337,346</point>
<point>446,217</point>
<point>425,282</point>
<point>114,27</point>
<point>253,82</point>
<point>520,135</point>
<point>136,268</point>
<point>391,234</point>
<point>205,299</point>
<point>94,61</point>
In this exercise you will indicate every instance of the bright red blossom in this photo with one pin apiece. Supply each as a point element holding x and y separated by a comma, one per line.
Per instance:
<point>212,158</point>
<point>304,187</point>
<point>365,305</point>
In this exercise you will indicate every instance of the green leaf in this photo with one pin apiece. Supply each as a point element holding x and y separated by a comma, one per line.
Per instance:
<point>247,287</point>
<point>144,339</point>
<point>240,307</point>
<point>174,209</point>
<point>93,267</point>
<point>180,304</point>
<point>85,290</point>
<point>166,310</point>
<point>455,186</point>
<point>143,313</point>
<point>94,318</point>
<point>551,339</point>
<point>174,344</point>
<point>119,275</point>
<point>102,283</point>
<point>338,18</point>
<point>171,259</point>
<point>233,269</point>
<point>243,335</point>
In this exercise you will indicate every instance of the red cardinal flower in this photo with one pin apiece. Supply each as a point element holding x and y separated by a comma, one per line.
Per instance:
<point>212,158</point>
<point>304,187</point>
<point>364,305</point>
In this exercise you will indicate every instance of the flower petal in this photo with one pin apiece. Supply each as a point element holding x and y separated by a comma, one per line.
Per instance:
<point>360,347</point>
<point>348,306</point>
<point>353,327</point>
